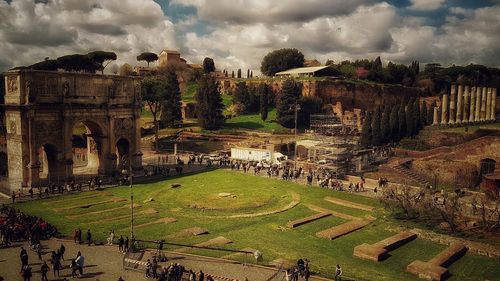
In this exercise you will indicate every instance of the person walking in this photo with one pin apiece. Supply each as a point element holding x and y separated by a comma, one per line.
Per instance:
<point>23,255</point>
<point>338,273</point>
<point>27,273</point>
<point>56,264</point>
<point>125,245</point>
<point>80,262</point>
<point>13,197</point>
<point>39,250</point>
<point>111,237</point>
<point>201,276</point>
<point>120,244</point>
<point>74,268</point>
<point>79,237</point>
<point>62,250</point>
<point>89,237</point>
<point>43,270</point>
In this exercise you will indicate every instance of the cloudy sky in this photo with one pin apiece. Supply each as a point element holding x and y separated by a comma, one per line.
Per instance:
<point>238,33</point>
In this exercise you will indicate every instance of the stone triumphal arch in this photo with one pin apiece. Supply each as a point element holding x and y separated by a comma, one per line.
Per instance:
<point>42,109</point>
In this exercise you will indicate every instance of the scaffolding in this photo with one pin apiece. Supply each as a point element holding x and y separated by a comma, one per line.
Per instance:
<point>332,125</point>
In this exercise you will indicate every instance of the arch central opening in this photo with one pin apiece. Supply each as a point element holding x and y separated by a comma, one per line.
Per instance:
<point>86,148</point>
<point>47,155</point>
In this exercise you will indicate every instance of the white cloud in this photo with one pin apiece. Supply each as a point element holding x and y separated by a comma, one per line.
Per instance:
<point>426,5</point>
<point>32,31</point>
<point>270,11</point>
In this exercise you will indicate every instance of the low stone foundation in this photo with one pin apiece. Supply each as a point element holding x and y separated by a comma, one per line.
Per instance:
<point>299,222</point>
<point>341,230</point>
<point>435,269</point>
<point>379,251</point>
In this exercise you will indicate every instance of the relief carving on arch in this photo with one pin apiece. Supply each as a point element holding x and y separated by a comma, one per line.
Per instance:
<point>65,89</point>
<point>12,85</point>
<point>123,124</point>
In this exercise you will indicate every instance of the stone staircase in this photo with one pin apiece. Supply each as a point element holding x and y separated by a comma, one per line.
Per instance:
<point>408,173</point>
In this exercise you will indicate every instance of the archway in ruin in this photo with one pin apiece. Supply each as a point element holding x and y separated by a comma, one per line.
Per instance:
<point>123,151</point>
<point>48,170</point>
<point>487,166</point>
<point>87,148</point>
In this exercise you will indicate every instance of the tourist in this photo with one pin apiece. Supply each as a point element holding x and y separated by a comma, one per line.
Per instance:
<point>62,250</point>
<point>125,245</point>
<point>13,196</point>
<point>79,236</point>
<point>27,273</point>
<point>201,276</point>
<point>38,249</point>
<point>56,263</point>
<point>192,276</point>
<point>111,237</point>
<point>89,237</point>
<point>43,270</point>
<point>149,269</point>
<point>23,255</point>
<point>338,273</point>
<point>120,244</point>
<point>74,268</point>
<point>80,262</point>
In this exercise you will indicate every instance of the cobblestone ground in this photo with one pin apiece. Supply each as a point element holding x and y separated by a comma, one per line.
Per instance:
<point>104,263</point>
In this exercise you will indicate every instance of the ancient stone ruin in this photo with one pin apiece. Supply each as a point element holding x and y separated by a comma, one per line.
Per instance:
<point>466,105</point>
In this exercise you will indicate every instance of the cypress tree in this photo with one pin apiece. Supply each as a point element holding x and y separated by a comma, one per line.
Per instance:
<point>241,95</point>
<point>376,131</point>
<point>171,114</point>
<point>251,74</point>
<point>264,96</point>
<point>394,123</point>
<point>248,73</point>
<point>385,126</point>
<point>402,122</point>
<point>423,115</point>
<point>239,72</point>
<point>417,125</point>
<point>285,101</point>
<point>232,74</point>
<point>366,131</point>
<point>209,104</point>
<point>410,124</point>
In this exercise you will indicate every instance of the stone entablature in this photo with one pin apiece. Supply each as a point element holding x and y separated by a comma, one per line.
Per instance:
<point>43,107</point>
<point>30,87</point>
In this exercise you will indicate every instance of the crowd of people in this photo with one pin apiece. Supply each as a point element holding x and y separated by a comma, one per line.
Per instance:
<point>173,272</point>
<point>75,264</point>
<point>323,178</point>
<point>17,226</point>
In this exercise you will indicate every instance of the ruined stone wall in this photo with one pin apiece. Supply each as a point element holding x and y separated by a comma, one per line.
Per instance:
<point>350,94</point>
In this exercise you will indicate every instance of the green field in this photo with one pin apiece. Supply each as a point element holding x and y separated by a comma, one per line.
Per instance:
<point>197,203</point>
<point>254,122</point>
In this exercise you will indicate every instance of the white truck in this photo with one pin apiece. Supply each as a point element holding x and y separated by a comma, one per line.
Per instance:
<point>263,156</point>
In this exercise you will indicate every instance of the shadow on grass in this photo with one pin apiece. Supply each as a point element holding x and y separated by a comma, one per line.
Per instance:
<point>163,178</point>
<point>245,125</point>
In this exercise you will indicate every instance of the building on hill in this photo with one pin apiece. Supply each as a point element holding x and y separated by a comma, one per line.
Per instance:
<point>311,63</point>
<point>142,70</point>
<point>167,57</point>
<point>315,71</point>
<point>195,66</point>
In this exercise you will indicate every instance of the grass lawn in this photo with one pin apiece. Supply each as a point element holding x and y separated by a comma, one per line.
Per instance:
<point>197,204</point>
<point>254,122</point>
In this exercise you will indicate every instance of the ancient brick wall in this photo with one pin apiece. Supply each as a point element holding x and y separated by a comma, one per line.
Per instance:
<point>351,95</point>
